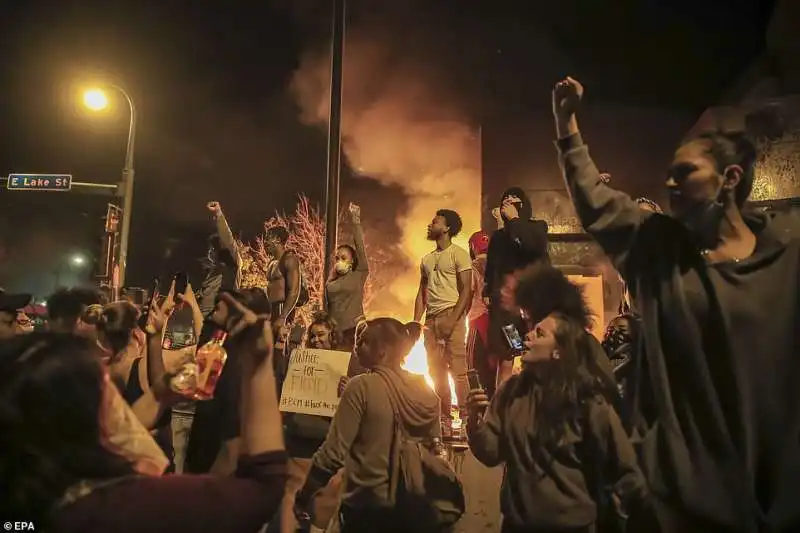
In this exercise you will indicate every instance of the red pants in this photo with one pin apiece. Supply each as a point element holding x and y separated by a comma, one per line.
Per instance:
<point>479,356</point>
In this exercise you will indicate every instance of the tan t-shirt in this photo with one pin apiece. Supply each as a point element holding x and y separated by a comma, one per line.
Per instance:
<point>441,268</point>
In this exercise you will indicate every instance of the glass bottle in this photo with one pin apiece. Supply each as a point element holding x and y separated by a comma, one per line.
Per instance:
<point>211,360</point>
<point>197,379</point>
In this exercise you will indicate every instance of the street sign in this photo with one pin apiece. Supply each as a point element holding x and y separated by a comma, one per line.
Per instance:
<point>39,182</point>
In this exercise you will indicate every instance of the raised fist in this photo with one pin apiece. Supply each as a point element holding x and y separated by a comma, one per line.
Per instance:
<point>214,207</point>
<point>567,95</point>
<point>355,211</point>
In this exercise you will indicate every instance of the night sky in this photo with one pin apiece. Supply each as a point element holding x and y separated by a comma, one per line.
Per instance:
<point>218,121</point>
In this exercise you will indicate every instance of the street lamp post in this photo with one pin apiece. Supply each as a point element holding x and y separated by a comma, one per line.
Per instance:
<point>334,135</point>
<point>127,182</point>
<point>96,100</point>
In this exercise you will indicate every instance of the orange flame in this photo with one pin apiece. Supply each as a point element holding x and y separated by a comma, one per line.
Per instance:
<point>417,363</point>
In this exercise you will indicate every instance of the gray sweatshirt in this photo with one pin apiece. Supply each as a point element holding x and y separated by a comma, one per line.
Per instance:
<point>549,488</point>
<point>345,294</point>
<point>721,345</point>
<point>361,435</point>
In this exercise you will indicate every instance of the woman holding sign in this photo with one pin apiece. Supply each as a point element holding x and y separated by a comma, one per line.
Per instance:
<point>344,291</point>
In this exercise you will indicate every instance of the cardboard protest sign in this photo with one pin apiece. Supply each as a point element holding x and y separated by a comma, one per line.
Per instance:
<point>312,381</point>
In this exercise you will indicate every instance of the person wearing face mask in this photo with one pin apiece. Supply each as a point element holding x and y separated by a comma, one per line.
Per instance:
<point>519,242</point>
<point>718,292</point>
<point>304,434</point>
<point>553,425</point>
<point>344,291</point>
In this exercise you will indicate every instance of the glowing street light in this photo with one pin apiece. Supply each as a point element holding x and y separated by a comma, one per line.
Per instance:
<point>77,260</point>
<point>95,99</point>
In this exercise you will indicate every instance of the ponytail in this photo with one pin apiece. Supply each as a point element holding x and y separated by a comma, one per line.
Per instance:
<point>733,148</point>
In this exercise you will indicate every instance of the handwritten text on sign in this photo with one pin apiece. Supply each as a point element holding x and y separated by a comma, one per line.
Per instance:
<point>312,381</point>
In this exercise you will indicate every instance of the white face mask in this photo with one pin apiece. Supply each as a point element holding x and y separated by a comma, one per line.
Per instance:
<point>343,267</point>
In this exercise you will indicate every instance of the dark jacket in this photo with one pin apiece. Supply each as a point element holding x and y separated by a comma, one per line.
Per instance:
<point>721,348</point>
<point>520,243</point>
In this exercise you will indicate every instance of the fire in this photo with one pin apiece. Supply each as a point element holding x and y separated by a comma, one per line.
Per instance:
<point>417,363</point>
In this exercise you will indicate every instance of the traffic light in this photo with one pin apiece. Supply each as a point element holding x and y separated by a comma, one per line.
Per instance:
<point>112,218</point>
<point>105,260</point>
<point>107,257</point>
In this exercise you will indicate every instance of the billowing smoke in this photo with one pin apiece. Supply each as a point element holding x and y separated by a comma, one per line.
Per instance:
<point>399,126</point>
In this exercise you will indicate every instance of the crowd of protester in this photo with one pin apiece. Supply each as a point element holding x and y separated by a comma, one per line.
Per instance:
<point>684,419</point>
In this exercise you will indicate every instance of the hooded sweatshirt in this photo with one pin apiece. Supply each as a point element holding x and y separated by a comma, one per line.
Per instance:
<point>721,344</point>
<point>519,243</point>
<point>362,432</point>
<point>551,487</point>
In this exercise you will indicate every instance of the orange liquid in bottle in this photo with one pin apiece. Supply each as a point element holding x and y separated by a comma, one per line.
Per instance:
<point>210,361</point>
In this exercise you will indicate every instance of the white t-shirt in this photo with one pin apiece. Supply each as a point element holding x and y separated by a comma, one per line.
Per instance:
<point>441,268</point>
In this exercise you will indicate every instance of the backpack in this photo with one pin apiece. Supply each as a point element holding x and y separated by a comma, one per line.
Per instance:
<point>422,485</point>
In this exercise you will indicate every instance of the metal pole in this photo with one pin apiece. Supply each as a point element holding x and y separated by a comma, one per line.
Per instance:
<point>127,183</point>
<point>334,135</point>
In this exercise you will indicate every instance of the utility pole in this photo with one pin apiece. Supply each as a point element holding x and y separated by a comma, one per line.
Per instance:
<point>334,135</point>
<point>127,198</point>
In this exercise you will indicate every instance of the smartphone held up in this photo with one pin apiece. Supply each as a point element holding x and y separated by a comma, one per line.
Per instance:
<point>474,380</point>
<point>144,317</point>
<point>514,339</point>
<point>181,283</point>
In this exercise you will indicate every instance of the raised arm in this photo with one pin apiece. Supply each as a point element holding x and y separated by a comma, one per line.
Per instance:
<point>358,237</point>
<point>149,407</point>
<point>261,430</point>
<point>157,321</point>
<point>197,313</point>
<point>226,239</point>
<point>608,215</point>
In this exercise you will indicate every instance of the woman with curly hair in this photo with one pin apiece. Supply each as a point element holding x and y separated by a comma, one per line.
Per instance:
<point>553,426</point>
